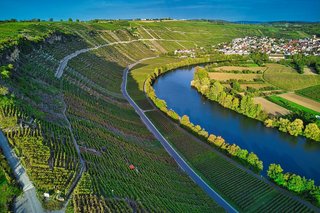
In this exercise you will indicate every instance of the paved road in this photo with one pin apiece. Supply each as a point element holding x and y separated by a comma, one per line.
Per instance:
<point>28,202</point>
<point>183,165</point>
<point>65,60</point>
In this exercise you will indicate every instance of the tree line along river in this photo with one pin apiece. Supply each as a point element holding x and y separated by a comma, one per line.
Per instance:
<point>294,154</point>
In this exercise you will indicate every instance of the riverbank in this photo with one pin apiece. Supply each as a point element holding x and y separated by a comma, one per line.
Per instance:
<point>202,159</point>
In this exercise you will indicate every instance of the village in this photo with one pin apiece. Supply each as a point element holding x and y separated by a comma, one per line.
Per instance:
<point>278,48</point>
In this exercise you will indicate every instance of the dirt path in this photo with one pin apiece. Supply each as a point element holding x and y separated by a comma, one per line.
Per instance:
<point>306,102</point>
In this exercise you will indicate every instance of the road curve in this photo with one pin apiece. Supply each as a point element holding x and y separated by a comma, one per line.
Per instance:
<point>63,62</point>
<point>28,201</point>
<point>183,165</point>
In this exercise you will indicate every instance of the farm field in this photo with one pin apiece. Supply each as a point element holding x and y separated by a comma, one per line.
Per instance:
<point>288,79</point>
<point>223,175</point>
<point>310,92</point>
<point>238,68</point>
<point>306,102</point>
<point>270,107</point>
<point>228,76</point>
<point>249,77</point>
<point>290,105</point>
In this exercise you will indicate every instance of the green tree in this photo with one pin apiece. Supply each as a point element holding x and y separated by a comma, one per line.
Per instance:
<point>296,183</point>
<point>283,124</point>
<point>242,154</point>
<point>244,104</point>
<point>312,131</point>
<point>233,149</point>
<point>269,122</point>
<point>185,120</point>
<point>252,159</point>
<point>295,128</point>
<point>235,103</point>
<point>173,115</point>
<point>235,85</point>
<point>219,141</point>
<point>211,138</point>
<point>215,90</point>
<point>316,194</point>
<point>274,171</point>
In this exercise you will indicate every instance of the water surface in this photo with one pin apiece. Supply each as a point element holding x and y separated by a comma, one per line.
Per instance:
<point>294,154</point>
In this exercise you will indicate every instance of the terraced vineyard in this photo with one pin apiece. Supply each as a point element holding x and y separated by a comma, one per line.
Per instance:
<point>46,151</point>
<point>36,109</point>
<point>248,193</point>
<point>112,137</point>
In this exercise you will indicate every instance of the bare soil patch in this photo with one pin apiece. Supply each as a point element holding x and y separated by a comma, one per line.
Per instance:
<point>271,108</point>
<point>309,71</point>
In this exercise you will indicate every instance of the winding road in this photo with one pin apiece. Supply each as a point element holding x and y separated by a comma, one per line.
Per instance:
<point>182,164</point>
<point>63,62</point>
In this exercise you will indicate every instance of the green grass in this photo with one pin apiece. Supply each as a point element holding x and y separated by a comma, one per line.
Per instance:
<point>312,92</point>
<point>291,105</point>
<point>289,79</point>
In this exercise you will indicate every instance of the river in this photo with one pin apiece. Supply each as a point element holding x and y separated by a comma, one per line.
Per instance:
<point>294,154</point>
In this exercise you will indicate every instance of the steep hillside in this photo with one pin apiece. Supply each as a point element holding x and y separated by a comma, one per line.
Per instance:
<point>46,118</point>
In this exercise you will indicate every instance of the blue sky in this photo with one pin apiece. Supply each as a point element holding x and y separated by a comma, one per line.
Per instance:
<point>231,10</point>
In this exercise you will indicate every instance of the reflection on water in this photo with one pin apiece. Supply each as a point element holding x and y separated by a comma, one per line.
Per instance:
<point>295,154</point>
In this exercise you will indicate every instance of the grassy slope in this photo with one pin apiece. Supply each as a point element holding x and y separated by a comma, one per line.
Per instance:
<point>289,79</point>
